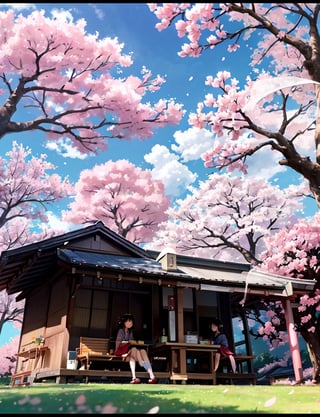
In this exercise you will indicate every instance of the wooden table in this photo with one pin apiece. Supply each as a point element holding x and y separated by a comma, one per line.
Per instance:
<point>33,359</point>
<point>34,356</point>
<point>176,353</point>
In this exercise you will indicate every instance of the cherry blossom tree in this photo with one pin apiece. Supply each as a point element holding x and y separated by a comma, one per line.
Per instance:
<point>237,219</point>
<point>124,197</point>
<point>60,80</point>
<point>276,110</point>
<point>27,188</point>
<point>71,86</point>
<point>10,310</point>
<point>228,217</point>
<point>8,356</point>
<point>295,251</point>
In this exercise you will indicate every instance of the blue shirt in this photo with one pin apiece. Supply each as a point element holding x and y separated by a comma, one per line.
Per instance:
<point>220,339</point>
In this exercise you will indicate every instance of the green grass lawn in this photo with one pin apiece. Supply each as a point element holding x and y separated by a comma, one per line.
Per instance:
<point>98,398</point>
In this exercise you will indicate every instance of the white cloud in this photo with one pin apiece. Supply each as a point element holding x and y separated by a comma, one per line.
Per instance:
<point>264,164</point>
<point>167,168</point>
<point>64,148</point>
<point>62,15</point>
<point>192,143</point>
<point>98,11</point>
<point>55,223</point>
<point>19,6</point>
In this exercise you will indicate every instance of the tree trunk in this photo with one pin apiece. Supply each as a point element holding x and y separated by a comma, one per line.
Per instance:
<point>313,345</point>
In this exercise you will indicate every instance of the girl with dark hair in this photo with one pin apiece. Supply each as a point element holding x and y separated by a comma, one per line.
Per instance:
<point>220,338</point>
<point>124,335</point>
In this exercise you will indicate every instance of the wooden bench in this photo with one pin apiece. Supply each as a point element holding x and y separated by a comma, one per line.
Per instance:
<point>244,373</point>
<point>230,377</point>
<point>244,363</point>
<point>94,349</point>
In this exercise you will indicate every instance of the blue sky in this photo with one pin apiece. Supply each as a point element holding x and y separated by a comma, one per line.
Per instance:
<point>173,154</point>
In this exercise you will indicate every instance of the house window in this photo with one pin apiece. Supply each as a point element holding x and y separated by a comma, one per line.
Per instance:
<point>90,310</point>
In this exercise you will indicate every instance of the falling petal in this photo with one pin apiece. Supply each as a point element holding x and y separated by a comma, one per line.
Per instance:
<point>35,400</point>
<point>154,410</point>
<point>270,402</point>
<point>81,399</point>
<point>109,409</point>
<point>24,400</point>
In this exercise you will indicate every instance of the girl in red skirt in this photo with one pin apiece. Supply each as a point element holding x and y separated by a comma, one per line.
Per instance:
<point>124,335</point>
<point>219,338</point>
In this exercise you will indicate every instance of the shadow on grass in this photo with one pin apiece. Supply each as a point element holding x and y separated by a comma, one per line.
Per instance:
<point>115,399</point>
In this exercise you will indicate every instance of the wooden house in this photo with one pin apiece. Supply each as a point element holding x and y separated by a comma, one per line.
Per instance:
<point>78,284</point>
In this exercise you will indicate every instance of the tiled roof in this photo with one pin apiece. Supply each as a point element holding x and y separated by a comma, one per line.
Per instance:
<point>25,268</point>
<point>119,263</point>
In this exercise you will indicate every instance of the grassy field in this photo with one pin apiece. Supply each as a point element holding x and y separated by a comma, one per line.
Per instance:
<point>98,398</point>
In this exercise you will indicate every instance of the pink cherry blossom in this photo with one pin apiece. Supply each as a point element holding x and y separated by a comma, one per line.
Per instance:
<point>123,196</point>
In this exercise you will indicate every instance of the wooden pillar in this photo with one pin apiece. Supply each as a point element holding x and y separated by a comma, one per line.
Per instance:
<point>293,341</point>
<point>182,360</point>
<point>180,321</point>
